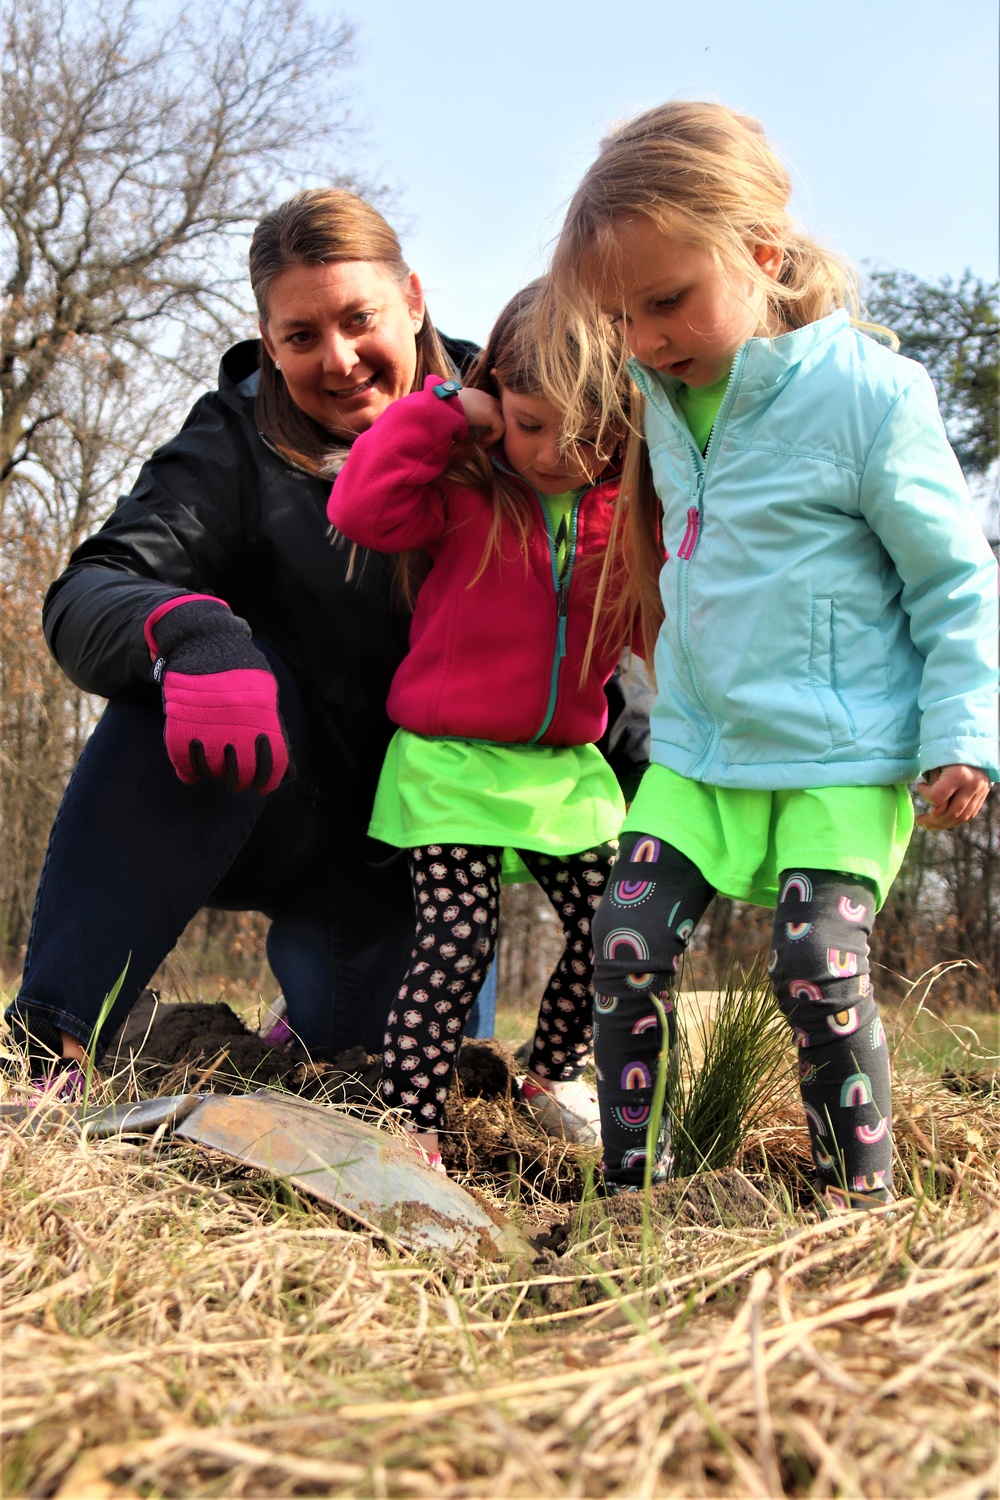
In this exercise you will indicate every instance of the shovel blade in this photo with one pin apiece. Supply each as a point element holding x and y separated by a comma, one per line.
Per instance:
<point>358,1169</point>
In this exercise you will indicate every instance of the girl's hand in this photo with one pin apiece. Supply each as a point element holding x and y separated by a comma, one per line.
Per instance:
<point>956,793</point>
<point>482,412</point>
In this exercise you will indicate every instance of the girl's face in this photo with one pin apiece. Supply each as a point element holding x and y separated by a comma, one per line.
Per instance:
<point>685,312</point>
<point>532,428</point>
<point>344,334</point>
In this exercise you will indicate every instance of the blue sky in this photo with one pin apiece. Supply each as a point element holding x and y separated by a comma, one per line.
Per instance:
<point>483,116</point>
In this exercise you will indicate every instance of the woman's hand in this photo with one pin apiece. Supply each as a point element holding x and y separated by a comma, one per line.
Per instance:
<point>482,412</point>
<point>956,794</point>
<point>220,697</point>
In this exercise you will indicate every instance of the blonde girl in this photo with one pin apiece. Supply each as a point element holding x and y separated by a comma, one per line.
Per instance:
<point>825,620</point>
<point>502,531</point>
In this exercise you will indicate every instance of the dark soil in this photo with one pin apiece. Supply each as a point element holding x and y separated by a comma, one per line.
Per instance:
<point>727,1198</point>
<point>194,1037</point>
<point>486,1069</point>
<point>174,1043</point>
<point>967,1081</point>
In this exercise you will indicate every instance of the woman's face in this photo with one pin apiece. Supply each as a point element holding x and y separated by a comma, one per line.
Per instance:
<point>344,335</point>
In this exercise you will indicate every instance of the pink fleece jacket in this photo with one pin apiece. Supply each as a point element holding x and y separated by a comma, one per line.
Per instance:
<point>498,659</point>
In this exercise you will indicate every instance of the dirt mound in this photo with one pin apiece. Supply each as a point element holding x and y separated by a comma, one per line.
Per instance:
<point>486,1068</point>
<point>164,1040</point>
<point>168,1041</point>
<point>725,1198</point>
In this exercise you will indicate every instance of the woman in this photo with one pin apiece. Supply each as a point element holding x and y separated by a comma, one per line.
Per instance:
<point>246,661</point>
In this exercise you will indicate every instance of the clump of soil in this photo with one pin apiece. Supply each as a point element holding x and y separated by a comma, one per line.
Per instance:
<point>173,1040</point>
<point>728,1198</point>
<point>969,1082</point>
<point>165,1038</point>
<point>486,1068</point>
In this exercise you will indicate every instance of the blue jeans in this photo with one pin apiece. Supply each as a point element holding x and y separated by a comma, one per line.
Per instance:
<point>134,854</point>
<point>483,1015</point>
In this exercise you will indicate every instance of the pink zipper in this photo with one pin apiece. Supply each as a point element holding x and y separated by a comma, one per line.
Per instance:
<point>687,546</point>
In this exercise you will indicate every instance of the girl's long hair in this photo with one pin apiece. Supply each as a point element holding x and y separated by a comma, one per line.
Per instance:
<point>701,173</point>
<point>510,359</point>
<point>314,228</point>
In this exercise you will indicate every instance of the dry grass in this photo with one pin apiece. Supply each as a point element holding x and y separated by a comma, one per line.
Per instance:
<point>175,1326</point>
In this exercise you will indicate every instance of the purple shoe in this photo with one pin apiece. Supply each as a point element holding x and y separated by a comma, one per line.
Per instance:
<point>279,1035</point>
<point>63,1083</point>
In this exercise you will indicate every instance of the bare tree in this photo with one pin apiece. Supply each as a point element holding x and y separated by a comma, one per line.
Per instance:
<point>133,158</point>
<point>136,158</point>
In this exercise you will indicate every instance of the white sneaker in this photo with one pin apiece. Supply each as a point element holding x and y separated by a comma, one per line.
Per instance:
<point>566,1110</point>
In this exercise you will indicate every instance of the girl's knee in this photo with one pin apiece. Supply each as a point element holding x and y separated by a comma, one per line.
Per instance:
<point>633,953</point>
<point>819,951</point>
<point>630,1023</point>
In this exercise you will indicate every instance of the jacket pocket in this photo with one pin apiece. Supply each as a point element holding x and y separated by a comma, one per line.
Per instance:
<point>823,677</point>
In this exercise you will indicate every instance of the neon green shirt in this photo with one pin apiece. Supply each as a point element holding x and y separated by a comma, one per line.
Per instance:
<point>560,513</point>
<point>699,406</point>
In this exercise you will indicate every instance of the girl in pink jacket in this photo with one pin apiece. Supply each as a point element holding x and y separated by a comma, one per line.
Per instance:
<point>502,532</point>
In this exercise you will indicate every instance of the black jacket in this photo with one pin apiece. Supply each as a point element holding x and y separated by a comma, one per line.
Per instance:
<point>215,510</point>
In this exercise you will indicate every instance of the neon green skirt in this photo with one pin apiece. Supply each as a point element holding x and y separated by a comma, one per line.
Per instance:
<point>740,838</point>
<point>558,799</point>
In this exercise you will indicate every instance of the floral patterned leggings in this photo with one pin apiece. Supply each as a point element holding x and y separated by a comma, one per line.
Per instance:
<point>819,971</point>
<point>456,890</point>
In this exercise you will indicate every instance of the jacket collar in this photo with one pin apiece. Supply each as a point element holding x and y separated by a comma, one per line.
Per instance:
<point>761,363</point>
<point>239,369</point>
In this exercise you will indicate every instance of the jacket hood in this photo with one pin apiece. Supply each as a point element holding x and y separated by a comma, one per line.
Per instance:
<point>239,368</point>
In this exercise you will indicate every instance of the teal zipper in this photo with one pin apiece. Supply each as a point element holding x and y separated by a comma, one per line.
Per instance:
<point>561,587</point>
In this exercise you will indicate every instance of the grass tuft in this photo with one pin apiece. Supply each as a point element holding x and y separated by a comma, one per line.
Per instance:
<point>735,1066</point>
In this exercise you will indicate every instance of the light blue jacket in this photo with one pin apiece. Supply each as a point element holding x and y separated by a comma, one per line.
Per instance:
<point>831,601</point>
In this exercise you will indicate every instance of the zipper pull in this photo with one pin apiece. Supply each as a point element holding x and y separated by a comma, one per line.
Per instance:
<point>690,540</point>
<point>563,606</point>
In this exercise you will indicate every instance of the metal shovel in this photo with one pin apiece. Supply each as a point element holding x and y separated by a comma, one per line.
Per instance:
<point>367,1174</point>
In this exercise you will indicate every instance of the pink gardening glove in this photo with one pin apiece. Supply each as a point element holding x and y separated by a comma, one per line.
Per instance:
<point>220,697</point>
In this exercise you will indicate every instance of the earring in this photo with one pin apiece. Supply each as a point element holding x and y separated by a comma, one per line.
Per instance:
<point>277,364</point>
<point>417,322</point>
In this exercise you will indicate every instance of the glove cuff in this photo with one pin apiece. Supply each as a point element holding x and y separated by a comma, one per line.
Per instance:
<point>199,636</point>
<point>162,610</point>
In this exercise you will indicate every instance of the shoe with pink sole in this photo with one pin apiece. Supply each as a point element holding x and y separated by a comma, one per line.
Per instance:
<point>567,1110</point>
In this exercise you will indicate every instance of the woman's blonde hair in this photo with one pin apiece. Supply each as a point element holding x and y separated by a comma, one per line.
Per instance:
<point>701,173</point>
<point>314,228</point>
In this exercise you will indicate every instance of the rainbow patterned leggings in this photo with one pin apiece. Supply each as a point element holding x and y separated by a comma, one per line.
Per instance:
<point>818,965</point>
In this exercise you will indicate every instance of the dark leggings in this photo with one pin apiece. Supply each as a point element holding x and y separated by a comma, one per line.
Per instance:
<point>819,970</point>
<point>456,889</point>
